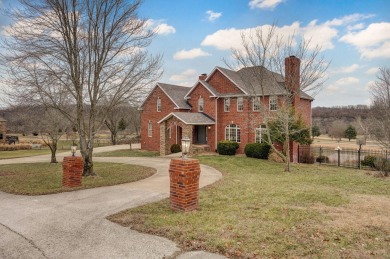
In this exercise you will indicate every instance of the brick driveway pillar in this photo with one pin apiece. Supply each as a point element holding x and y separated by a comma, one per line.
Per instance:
<point>72,170</point>
<point>184,184</point>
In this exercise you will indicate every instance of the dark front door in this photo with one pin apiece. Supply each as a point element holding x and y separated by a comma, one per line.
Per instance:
<point>200,134</point>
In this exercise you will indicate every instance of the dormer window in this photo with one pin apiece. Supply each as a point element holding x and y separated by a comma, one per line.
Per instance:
<point>159,105</point>
<point>200,104</point>
<point>273,103</point>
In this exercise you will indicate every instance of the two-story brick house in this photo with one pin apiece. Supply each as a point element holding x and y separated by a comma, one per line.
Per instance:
<point>223,105</point>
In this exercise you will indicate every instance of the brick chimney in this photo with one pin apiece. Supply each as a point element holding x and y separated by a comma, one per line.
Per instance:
<point>292,77</point>
<point>202,76</point>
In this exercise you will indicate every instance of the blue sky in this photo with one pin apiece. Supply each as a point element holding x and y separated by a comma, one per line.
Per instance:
<point>195,35</point>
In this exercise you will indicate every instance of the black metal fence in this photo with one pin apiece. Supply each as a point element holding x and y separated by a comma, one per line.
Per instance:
<point>344,157</point>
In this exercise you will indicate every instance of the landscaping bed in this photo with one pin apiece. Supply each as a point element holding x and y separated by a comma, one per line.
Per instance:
<point>46,178</point>
<point>259,211</point>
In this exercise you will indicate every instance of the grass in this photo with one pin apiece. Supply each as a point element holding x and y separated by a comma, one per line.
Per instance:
<point>23,153</point>
<point>46,178</point>
<point>258,211</point>
<point>129,153</point>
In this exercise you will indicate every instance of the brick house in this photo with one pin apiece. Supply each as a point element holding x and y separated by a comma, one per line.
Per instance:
<point>223,105</point>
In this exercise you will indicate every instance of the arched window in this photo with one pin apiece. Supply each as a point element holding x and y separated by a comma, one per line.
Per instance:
<point>259,133</point>
<point>159,105</point>
<point>233,133</point>
<point>200,104</point>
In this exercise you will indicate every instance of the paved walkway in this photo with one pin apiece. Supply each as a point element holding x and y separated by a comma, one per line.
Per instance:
<point>73,224</point>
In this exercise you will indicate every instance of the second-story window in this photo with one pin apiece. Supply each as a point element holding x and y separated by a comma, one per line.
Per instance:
<point>256,104</point>
<point>227,104</point>
<point>200,104</point>
<point>273,103</point>
<point>159,105</point>
<point>240,104</point>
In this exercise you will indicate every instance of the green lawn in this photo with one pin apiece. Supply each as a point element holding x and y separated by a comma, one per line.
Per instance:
<point>259,211</point>
<point>128,153</point>
<point>45,178</point>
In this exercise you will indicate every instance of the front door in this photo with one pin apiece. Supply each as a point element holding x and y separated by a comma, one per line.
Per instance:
<point>200,135</point>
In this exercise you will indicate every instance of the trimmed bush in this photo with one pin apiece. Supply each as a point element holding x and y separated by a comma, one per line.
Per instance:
<point>227,147</point>
<point>175,148</point>
<point>382,165</point>
<point>257,150</point>
<point>369,161</point>
<point>322,159</point>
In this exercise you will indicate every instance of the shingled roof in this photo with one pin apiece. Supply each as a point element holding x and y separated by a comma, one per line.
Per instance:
<point>250,83</point>
<point>190,118</point>
<point>176,93</point>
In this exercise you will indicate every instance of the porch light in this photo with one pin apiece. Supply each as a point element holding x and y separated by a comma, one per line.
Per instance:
<point>73,149</point>
<point>185,146</point>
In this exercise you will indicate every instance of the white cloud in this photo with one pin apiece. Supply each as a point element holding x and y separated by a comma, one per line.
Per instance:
<point>264,4</point>
<point>369,85</point>
<point>339,85</point>
<point>165,29</point>
<point>160,27</point>
<point>372,71</point>
<point>190,54</point>
<point>186,75</point>
<point>212,16</point>
<point>355,27</point>
<point>218,38</point>
<point>372,42</point>
<point>319,34</point>
<point>348,19</point>
<point>345,70</point>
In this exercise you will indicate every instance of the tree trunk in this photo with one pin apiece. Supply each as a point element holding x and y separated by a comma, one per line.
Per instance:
<point>53,149</point>
<point>287,132</point>
<point>113,137</point>
<point>88,164</point>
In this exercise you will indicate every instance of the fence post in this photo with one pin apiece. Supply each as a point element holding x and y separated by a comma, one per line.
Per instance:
<point>359,165</point>
<point>320,155</point>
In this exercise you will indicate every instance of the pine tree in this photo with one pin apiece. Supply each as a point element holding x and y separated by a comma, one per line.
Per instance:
<point>350,133</point>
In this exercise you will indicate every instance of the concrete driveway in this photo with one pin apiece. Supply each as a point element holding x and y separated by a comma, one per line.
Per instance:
<point>73,224</point>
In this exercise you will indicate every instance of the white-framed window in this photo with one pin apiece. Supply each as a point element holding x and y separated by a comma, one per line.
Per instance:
<point>227,104</point>
<point>256,103</point>
<point>159,105</point>
<point>200,104</point>
<point>260,133</point>
<point>150,129</point>
<point>273,103</point>
<point>240,104</point>
<point>169,132</point>
<point>233,133</point>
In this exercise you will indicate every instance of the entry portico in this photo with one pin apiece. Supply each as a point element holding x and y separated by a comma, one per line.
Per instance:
<point>193,125</point>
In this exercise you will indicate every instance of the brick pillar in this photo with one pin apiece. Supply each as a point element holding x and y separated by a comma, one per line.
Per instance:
<point>184,184</point>
<point>72,170</point>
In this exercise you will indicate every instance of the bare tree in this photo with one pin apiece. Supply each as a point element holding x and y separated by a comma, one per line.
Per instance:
<point>380,92</point>
<point>266,48</point>
<point>88,55</point>
<point>51,127</point>
<point>113,120</point>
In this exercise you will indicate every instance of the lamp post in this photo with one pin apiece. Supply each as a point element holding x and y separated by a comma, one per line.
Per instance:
<point>185,146</point>
<point>73,149</point>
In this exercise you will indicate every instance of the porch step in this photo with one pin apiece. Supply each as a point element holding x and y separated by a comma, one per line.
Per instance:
<point>198,149</point>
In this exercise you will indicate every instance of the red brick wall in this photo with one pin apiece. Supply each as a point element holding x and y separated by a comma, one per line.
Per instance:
<point>149,113</point>
<point>222,84</point>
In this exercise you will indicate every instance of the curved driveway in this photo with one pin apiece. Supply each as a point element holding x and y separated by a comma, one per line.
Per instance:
<point>73,224</point>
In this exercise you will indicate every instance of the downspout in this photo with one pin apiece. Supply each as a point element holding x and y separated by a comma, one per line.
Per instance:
<point>216,122</point>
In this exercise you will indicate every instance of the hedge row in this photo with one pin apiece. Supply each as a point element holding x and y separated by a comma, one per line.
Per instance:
<point>15,147</point>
